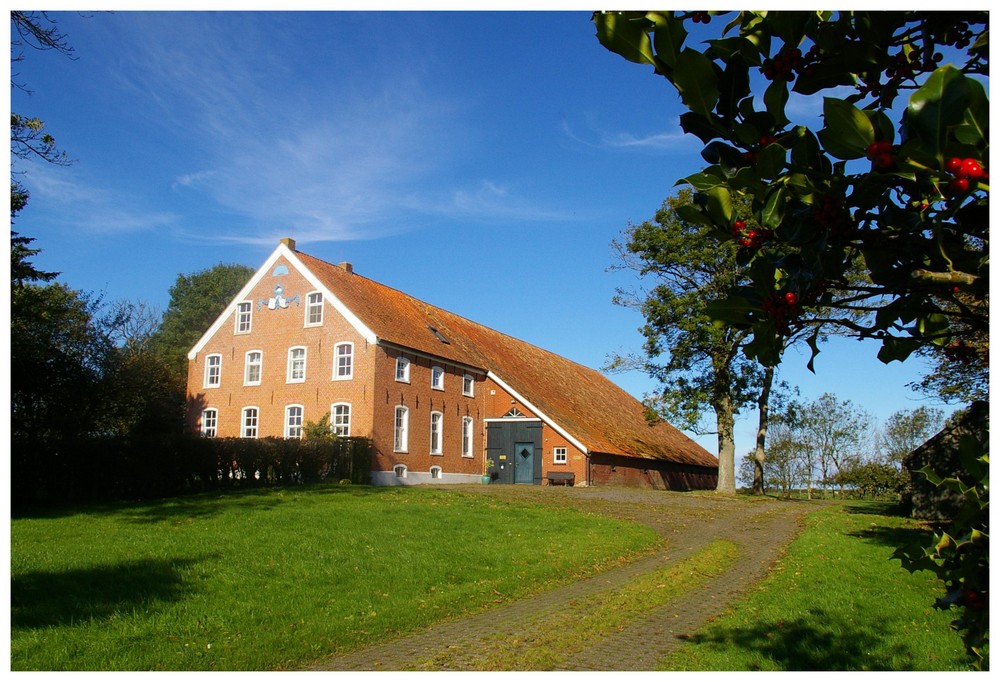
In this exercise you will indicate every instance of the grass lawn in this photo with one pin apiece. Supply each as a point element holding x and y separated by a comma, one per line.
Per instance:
<point>266,580</point>
<point>835,602</point>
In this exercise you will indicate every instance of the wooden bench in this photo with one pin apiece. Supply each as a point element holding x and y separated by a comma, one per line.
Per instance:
<point>561,477</point>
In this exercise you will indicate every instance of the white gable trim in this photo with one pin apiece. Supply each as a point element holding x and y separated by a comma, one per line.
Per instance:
<point>338,305</point>
<point>263,270</point>
<point>541,415</point>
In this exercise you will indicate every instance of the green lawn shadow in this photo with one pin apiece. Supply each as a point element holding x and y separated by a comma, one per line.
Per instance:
<point>45,599</point>
<point>818,641</point>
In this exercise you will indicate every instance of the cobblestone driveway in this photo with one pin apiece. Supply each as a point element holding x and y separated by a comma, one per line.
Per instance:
<point>688,521</point>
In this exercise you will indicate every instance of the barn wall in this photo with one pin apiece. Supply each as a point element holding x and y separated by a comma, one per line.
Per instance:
<point>614,470</point>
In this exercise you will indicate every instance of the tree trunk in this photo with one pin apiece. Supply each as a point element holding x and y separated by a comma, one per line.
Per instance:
<point>762,411</point>
<point>726,423</point>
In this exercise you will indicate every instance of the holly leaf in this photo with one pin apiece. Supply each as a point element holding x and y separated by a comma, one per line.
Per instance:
<point>847,132</point>
<point>625,34</point>
<point>696,81</point>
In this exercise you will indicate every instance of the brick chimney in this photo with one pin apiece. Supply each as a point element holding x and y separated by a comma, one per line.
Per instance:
<point>346,267</point>
<point>289,242</point>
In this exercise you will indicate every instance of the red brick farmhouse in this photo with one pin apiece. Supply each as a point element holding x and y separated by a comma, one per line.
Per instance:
<point>439,396</point>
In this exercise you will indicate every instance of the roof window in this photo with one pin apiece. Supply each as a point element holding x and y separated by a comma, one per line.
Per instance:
<point>439,335</point>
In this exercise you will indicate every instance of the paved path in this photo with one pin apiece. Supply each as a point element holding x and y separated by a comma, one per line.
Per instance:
<point>689,522</point>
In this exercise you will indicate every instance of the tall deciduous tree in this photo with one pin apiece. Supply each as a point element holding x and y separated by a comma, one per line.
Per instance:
<point>196,300</point>
<point>698,364</point>
<point>906,429</point>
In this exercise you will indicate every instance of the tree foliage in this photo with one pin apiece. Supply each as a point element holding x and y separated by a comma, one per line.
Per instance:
<point>863,186</point>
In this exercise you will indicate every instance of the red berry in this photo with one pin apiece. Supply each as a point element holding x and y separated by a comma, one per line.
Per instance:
<point>884,160</point>
<point>953,165</point>
<point>970,169</point>
<point>791,298</point>
<point>958,186</point>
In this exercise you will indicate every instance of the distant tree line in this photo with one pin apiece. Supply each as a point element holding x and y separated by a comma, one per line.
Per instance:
<point>829,446</point>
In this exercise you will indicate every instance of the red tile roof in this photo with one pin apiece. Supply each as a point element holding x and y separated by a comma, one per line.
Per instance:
<point>582,401</point>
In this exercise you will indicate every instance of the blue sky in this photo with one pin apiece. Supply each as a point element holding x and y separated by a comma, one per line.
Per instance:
<point>482,162</point>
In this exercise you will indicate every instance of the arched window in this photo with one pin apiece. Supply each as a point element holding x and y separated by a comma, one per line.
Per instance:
<point>436,472</point>
<point>340,419</point>
<point>467,425</point>
<point>343,361</point>
<point>437,420</point>
<point>400,429</point>
<point>249,421</point>
<point>293,421</point>
<point>403,369</point>
<point>209,422</point>
<point>252,366</point>
<point>400,470</point>
<point>213,371</point>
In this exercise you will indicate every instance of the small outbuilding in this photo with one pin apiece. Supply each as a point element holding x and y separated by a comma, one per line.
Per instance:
<point>941,453</point>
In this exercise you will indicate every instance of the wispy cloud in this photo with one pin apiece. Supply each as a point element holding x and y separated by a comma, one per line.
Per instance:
<point>334,162</point>
<point>80,205</point>
<point>664,142</point>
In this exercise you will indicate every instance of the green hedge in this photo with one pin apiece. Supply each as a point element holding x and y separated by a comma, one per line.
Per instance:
<point>48,473</point>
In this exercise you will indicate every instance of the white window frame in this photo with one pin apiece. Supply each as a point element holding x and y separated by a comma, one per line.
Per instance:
<point>436,473</point>
<point>338,374</point>
<point>247,365</point>
<point>244,317</point>
<point>437,378</point>
<point>290,373</point>
<point>210,422</point>
<point>213,370</point>
<point>400,429</point>
<point>400,470</point>
<point>247,431</point>
<point>559,455</point>
<point>468,432</point>
<point>437,433</point>
<point>343,426</point>
<point>468,385</point>
<point>312,305</point>
<point>293,429</point>
<point>403,363</point>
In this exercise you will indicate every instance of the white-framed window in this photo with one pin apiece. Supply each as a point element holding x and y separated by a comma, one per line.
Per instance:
<point>559,455</point>
<point>213,371</point>
<point>314,309</point>
<point>403,369</point>
<point>293,421</point>
<point>436,472</point>
<point>467,436</point>
<point>244,317</point>
<point>468,385</point>
<point>249,422</point>
<point>209,422</point>
<point>437,378</point>
<point>400,470</point>
<point>252,366</point>
<point>340,419</point>
<point>296,365</point>
<point>401,428</point>
<point>343,361</point>
<point>437,420</point>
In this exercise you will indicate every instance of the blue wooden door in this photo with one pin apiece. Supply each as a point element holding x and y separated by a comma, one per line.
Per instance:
<point>524,463</point>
